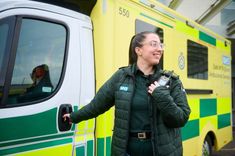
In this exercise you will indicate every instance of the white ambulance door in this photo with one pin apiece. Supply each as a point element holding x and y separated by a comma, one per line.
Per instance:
<point>85,142</point>
<point>36,43</point>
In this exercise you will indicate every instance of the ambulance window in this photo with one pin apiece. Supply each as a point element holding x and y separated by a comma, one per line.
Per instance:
<point>197,60</point>
<point>39,61</point>
<point>141,26</point>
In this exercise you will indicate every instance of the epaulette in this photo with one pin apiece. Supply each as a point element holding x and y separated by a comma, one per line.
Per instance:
<point>126,69</point>
<point>123,67</point>
<point>169,74</point>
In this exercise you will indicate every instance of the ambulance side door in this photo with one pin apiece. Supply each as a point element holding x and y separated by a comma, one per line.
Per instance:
<point>31,110</point>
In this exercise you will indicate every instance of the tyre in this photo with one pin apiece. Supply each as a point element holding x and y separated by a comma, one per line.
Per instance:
<point>207,147</point>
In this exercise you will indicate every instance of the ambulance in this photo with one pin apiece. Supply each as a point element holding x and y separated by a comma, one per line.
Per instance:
<point>80,44</point>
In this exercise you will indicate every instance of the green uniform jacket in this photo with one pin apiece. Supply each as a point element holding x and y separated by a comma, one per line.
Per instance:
<point>168,108</point>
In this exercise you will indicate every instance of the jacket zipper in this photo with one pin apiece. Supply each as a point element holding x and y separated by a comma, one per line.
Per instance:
<point>153,121</point>
<point>128,120</point>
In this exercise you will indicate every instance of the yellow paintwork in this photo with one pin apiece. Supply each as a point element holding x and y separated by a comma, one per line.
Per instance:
<point>220,44</point>
<point>223,136</point>
<point>223,105</point>
<point>208,123</point>
<point>112,32</point>
<point>181,27</point>
<point>195,108</point>
<point>194,142</point>
<point>63,150</point>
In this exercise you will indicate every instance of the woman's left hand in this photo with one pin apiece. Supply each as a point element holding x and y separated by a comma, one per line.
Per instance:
<point>153,86</point>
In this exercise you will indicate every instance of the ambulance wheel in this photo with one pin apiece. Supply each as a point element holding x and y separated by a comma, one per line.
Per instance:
<point>207,147</point>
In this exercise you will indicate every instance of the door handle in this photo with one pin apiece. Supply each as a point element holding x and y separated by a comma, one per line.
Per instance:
<point>64,109</point>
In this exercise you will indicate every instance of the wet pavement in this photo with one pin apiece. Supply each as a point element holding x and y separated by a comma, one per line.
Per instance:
<point>228,150</point>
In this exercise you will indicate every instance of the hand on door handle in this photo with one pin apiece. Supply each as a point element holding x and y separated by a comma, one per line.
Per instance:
<point>65,116</point>
<point>64,120</point>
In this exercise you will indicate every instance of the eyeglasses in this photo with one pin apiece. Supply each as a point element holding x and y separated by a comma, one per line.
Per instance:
<point>155,44</point>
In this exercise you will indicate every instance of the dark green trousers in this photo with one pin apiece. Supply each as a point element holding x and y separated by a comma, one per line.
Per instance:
<point>139,147</point>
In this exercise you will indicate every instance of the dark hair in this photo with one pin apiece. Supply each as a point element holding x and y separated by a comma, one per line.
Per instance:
<point>136,41</point>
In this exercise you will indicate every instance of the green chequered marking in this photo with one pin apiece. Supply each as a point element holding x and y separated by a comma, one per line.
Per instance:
<point>35,146</point>
<point>80,151</point>
<point>35,139</point>
<point>100,146</point>
<point>208,107</point>
<point>207,38</point>
<point>90,148</point>
<point>108,146</point>
<point>29,126</point>
<point>190,130</point>
<point>149,17</point>
<point>224,120</point>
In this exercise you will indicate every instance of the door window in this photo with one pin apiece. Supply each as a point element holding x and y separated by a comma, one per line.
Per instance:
<point>38,61</point>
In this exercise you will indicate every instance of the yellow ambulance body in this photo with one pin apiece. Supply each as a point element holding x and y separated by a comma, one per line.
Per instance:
<point>200,57</point>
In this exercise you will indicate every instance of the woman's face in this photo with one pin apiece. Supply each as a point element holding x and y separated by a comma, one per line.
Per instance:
<point>151,50</point>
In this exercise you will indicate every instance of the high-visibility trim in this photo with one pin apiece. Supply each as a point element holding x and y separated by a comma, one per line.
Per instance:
<point>208,107</point>
<point>182,27</point>
<point>80,151</point>
<point>206,121</point>
<point>81,128</point>
<point>66,149</point>
<point>104,124</point>
<point>223,105</point>
<point>36,146</point>
<point>158,9</point>
<point>207,38</point>
<point>12,131</point>
<point>104,146</point>
<point>80,146</point>
<point>190,130</point>
<point>108,146</point>
<point>25,141</point>
<point>90,148</point>
<point>100,146</point>
<point>224,120</point>
<point>216,112</point>
<point>195,108</point>
<point>224,45</point>
<point>153,19</point>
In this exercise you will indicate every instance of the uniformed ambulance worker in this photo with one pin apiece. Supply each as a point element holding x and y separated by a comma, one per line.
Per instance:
<point>148,112</point>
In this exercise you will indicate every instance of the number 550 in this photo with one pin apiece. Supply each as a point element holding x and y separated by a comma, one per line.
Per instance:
<point>123,12</point>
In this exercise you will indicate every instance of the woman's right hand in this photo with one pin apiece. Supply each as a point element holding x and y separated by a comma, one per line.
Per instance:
<point>65,116</point>
<point>152,87</point>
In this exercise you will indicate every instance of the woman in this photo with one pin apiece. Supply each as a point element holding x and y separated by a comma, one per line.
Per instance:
<point>148,114</point>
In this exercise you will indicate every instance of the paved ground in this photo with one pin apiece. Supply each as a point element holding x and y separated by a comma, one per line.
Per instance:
<point>228,150</point>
